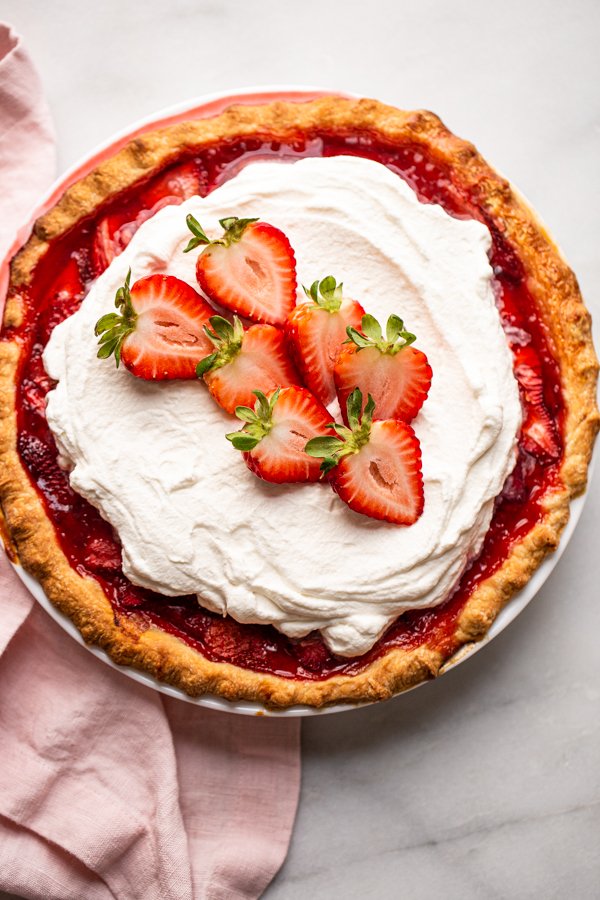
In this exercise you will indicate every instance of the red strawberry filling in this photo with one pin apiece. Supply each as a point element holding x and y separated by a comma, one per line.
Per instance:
<point>89,542</point>
<point>114,230</point>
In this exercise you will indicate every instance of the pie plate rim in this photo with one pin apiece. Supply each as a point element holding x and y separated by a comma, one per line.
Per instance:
<point>209,104</point>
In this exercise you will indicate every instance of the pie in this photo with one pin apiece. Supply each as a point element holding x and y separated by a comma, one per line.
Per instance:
<point>280,594</point>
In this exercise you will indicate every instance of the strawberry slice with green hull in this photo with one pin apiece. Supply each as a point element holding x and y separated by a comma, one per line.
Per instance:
<point>316,331</point>
<point>538,430</point>
<point>250,270</point>
<point>276,431</point>
<point>243,361</point>
<point>394,373</point>
<point>374,466</point>
<point>158,331</point>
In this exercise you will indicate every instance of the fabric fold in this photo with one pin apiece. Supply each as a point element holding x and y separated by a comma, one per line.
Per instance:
<point>107,788</point>
<point>27,141</point>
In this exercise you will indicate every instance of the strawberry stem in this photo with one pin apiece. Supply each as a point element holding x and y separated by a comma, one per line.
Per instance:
<point>113,328</point>
<point>258,422</point>
<point>199,237</point>
<point>325,294</point>
<point>233,229</point>
<point>350,440</point>
<point>227,339</point>
<point>396,336</point>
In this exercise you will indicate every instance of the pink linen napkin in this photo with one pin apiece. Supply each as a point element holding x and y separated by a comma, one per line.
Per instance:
<point>108,789</point>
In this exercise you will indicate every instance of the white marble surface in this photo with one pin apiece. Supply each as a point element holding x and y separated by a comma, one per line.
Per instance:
<point>486,783</point>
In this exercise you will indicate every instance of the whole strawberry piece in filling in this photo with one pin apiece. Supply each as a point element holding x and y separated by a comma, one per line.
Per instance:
<point>395,374</point>
<point>114,231</point>
<point>374,466</point>
<point>539,435</point>
<point>174,185</point>
<point>107,242</point>
<point>244,360</point>
<point>250,269</point>
<point>316,331</point>
<point>277,430</point>
<point>158,331</point>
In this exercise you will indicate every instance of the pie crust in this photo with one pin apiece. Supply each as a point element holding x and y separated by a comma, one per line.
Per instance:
<point>551,283</point>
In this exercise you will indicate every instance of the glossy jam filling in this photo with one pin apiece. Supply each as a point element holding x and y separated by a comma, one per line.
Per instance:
<point>61,280</point>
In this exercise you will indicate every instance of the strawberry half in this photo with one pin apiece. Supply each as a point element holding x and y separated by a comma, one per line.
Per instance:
<point>396,375</point>
<point>158,330</point>
<point>539,434</point>
<point>275,434</point>
<point>316,331</point>
<point>244,361</point>
<point>375,467</point>
<point>250,270</point>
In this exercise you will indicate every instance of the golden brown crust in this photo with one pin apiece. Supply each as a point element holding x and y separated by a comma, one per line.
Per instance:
<point>551,282</point>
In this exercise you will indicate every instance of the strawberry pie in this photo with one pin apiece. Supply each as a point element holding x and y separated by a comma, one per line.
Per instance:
<point>293,400</point>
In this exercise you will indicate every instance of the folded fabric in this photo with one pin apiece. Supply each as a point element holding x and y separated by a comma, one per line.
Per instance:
<point>108,788</point>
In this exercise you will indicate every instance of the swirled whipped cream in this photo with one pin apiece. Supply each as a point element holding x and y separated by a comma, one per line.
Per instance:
<point>153,458</point>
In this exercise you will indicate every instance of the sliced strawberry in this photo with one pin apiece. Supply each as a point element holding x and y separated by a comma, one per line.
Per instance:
<point>250,270</point>
<point>231,641</point>
<point>375,467</point>
<point>244,361</point>
<point>102,555</point>
<point>396,375</point>
<point>539,435</point>
<point>158,332</point>
<point>311,652</point>
<point>316,331</point>
<point>41,460</point>
<point>528,372</point>
<point>276,432</point>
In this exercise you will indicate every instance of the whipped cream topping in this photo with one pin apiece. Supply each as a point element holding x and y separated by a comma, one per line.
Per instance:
<point>153,458</point>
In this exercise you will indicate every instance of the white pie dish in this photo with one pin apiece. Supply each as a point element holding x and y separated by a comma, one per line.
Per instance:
<point>512,609</point>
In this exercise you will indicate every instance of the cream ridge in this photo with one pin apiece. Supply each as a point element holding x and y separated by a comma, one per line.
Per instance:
<point>153,458</point>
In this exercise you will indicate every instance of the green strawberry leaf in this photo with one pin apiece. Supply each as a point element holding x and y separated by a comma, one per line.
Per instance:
<point>227,339</point>
<point>242,441</point>
<point>257,422</point>
<point>199,237</point>
<point>396,337</point>
<point>206,364</point>
<point>245,414</point>
<point>354,408</point>
<point>323,446</point>
<point>326,294</point>
<point>113,328</point>
<point>372,328</point>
